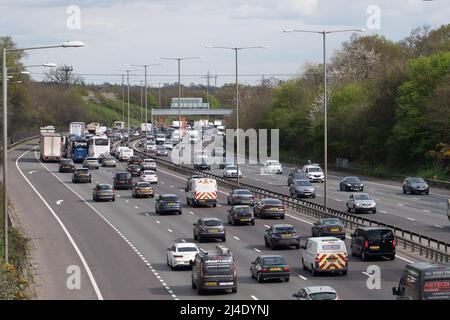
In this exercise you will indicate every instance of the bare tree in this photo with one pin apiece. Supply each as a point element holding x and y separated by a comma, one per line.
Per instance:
<point>63,75</point>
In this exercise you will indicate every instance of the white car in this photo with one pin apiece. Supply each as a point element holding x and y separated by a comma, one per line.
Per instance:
<point>230,171</point>
<point>148,164</point>
<point>168,145</point>
<point>273,166</point>
<point>316,293</point>
<point>151,147</point>
<point>181,254</point>
<point>149,176</point>
<point>160,138</point>
<point>314,172</point>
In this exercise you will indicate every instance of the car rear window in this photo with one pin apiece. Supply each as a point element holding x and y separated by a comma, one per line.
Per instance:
<point>331,247</point>
<point>284,229</point>
<point>104,187</point>
<point>272,202</point>
<point>273,261</point>
<point>187,249</point>
<point>143,185</point>
<point>242,210</point>
<point>169,198</point>
<point>382,234</point>
<point>123,176</point>
<point>243,192</point>
<point>331,222</point>
<point>323,296</point>
<point>212,223</point>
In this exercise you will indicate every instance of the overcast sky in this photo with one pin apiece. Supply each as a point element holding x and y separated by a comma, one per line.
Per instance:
<point>118,32</point>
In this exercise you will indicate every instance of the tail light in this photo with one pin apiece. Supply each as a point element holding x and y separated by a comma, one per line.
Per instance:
<point>394,243</point>
<point>366,244</point>
<point>282,207</point>
<point>113,191</point>
<point>286,269</point>
<point>264,269</point>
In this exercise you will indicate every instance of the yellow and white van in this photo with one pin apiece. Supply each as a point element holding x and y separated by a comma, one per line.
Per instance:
<point>325,254</point>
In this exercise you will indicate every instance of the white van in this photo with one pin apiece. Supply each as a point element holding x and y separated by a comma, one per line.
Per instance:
<point>125,154</point>
<point>314,172</point>
<point>273,166</point>
<point>201,191</point>
<point>325,254</point>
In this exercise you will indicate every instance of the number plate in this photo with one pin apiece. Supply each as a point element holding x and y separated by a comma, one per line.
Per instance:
<point>334,229</point>
<point>374,247</point>
<point>213,230</point>
<point>275,269</point>
<point>286,235</point>
<point>210,283</point>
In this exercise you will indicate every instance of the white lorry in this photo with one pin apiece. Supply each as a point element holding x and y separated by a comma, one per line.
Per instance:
<point>201,191</point>
<point>47,129</point>
<point>50,147</point>
<point>77,128</point>
<point>146,127</point>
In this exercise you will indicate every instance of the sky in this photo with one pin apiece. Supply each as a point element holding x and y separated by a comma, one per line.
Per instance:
<point>119,32</point>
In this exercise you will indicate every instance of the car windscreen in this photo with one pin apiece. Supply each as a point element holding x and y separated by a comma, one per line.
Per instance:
<point>303,183</point>
<point>323,296</point>
<point>273,202</point>
<point>101,142</point>
<point>187,249</point>
<point>212,223</point>
<point>104,187</point>
<point>123,176</point>
<point>331,222</point>
<point>353,180</point>
<point>314,169</point>
<point>417,180</point>
<point>231,168</point>
<point>377,235</point>
<point>268,261</point>
<point>169,198</point>
<point>363,197</point>
<point>243,192</point>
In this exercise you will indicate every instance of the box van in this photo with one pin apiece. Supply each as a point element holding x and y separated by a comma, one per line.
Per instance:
<point>325,254</point>
<point>424,281</point>
<point>125,154</point>
<point>201,191</point>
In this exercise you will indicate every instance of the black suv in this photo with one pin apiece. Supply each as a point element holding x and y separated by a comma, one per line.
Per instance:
<point>214,270</point>
<point>66,165</point>
<point>415,185</point>
<point>373,241</point>
<point>241,215</point>
<point>351,184</point>
<point>123,180</point>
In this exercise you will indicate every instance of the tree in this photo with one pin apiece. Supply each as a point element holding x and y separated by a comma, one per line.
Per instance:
<point>62,76</point>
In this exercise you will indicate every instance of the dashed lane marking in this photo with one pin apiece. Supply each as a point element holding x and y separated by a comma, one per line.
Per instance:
<point>304,278</point>
<point>236,238</point>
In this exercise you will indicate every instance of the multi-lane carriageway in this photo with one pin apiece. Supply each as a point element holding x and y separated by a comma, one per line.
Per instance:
<point>120,247</point>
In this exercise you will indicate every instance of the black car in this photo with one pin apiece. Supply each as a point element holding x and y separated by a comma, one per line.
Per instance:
<point>416,185</point>
<point>123,180</point>
<point>281,235</point>
<point>270,267</point>
<point>351,184</point>
<point>202,165</point>
<point>241,196</point>
<point>209,228</point>
<point>226,162</point>
<point>240,214</point>
<point>168,203</point>
<point>81,175</point>
<point>373,241</point>
<point>134,169</point>
<point>269,208</point>
<point>296,174</point>
<point>103,191</point>
<point>134,160</point>
<point>66,165</point>
<point>328,227</point>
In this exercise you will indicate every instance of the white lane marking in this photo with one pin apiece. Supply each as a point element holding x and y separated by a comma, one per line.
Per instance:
<point>368,274</point>
<point>191,212</point>
<point>266,226</point>
<point>162,182</point>
<point>170,230</point>
<point>426,211</point>
<point>146,213</point>
<point>383,211</point>
<point>304,278</point>
<point>415,198</point>
<point>136,207</point>
<point>219,205</point>
<point>182,190</point>
<point>438,226</point>
<point>157,221</point>
<point>257,250</point>
<point>254,298</point>
<point>182,240</point>
<point>285,187</point>
<point>31,172</point>
<point>236,238</point>
<point>118,195</point>
<point>171,186</point>
<point>58,202</point>
<point>338,200</point>
<point>442,203</point>
<point>127,201</point>
<point>63,227</point>
<point>411,219</point>
<point>400,204</point>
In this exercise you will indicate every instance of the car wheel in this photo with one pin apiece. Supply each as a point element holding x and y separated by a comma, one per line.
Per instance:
<point>348,208</point>
<point>234,290</point>
<point>168,261</point>
<point>195,236</point>
<point>340,187</point>
<point>374,210</point>
<point>214,205</point>
<point>114,199</point>
<point>282,217</point>
<point>313,270</point>
<point>287,279</point>
<point>258,278</point>
<point>253,222</point>
<point>427,192</point>
<point>224,239</point>
<point>344,273</point>
<point>354,209</point>
<point>303,265</point>
<point>228,201</point>
<point>392,257</point>
<point>266,243</point>
<point>297,246</point>
<point>199,290</point>
<point>180,212</point>
<point>404,190</point>
<point>363,255</point>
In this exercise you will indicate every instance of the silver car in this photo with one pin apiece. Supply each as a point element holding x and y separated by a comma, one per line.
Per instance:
<point>109,161</point>
<point>316,293</point>
<point>91,163</point>
<point>302,189</point>
<point>361,202</point>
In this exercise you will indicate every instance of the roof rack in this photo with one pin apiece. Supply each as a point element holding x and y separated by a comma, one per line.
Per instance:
<point>223,250</point>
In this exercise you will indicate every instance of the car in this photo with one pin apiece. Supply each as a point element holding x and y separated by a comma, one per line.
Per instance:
<point>280,235</point>
<point>351,184</point>
<point>151,146</point>
<point>168,203</point>
<point>240,214</point>
<point>161,152</point>
<point>231,171</point>
<point>226,162</point>
<point>202,163</point>
<point>209,228</point>
<point>134,160</point>
<point>316,293</point>
<point>168,145</point>
<point>267,267</point>
<point>368,242</point>
<point>91,163</point>
<point>81,175</point>
<point>361,202</point>
<point>149,176</point>
<point>269,207</point>
<point>160,138</point>
<point>103,191</point>
<point>181,255</point>
<point>302,189</point>
<point>141,143</point>
<point>241,196</point>
<point>296,175</point>
<point>109,161</point>
<point>314,173</point>
<point>134,169</point>
<point>328,227</point>
<point>415,186</point>
<point>214,270</point>
<point>114,153</point>
<point>148,164</point>
<point>273,166</point>
<point>66,165</point>
<point>325,254</point>
<point>123,180</point>
<point>142,189</point>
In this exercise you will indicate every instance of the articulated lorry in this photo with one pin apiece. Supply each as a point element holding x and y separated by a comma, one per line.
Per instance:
<point>50,146</point>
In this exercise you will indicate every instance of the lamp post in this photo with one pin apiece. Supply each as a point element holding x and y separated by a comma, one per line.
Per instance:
<point>325,98</point>
<point>67,44</point>
<point>179,96</point>
<point>236,50</point>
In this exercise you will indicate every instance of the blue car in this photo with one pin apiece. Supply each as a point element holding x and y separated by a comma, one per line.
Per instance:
<point>168,203</point>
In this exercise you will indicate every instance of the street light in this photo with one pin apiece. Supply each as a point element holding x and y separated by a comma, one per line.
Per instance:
<point>236,49</point>
<point>145,98</point>
<point>179,96</point>
<point>325,137</point>
<point>67,44</point>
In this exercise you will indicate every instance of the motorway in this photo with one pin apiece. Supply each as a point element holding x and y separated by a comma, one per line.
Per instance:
<point>424,214</point>
<point>123,244</point>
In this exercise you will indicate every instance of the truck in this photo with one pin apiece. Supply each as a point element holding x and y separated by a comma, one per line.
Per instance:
<point>201,191</point>
<point>218,123</point>
<point>93,128</point>
<point>119,125</point>
<point>47,129</point>
<point>146,127</point>
<point>77,128</point>
<point>125,154</point>
<point>50,147</point>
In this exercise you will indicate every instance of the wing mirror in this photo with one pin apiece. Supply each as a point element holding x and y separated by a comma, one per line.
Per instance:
<point>303,247</point>
<point>395,291</point>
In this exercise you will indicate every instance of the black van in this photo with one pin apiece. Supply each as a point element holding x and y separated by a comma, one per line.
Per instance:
<point>123,180</point>
<point>373,241</point>
<point>214,270</point>
<point>424,281</point>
